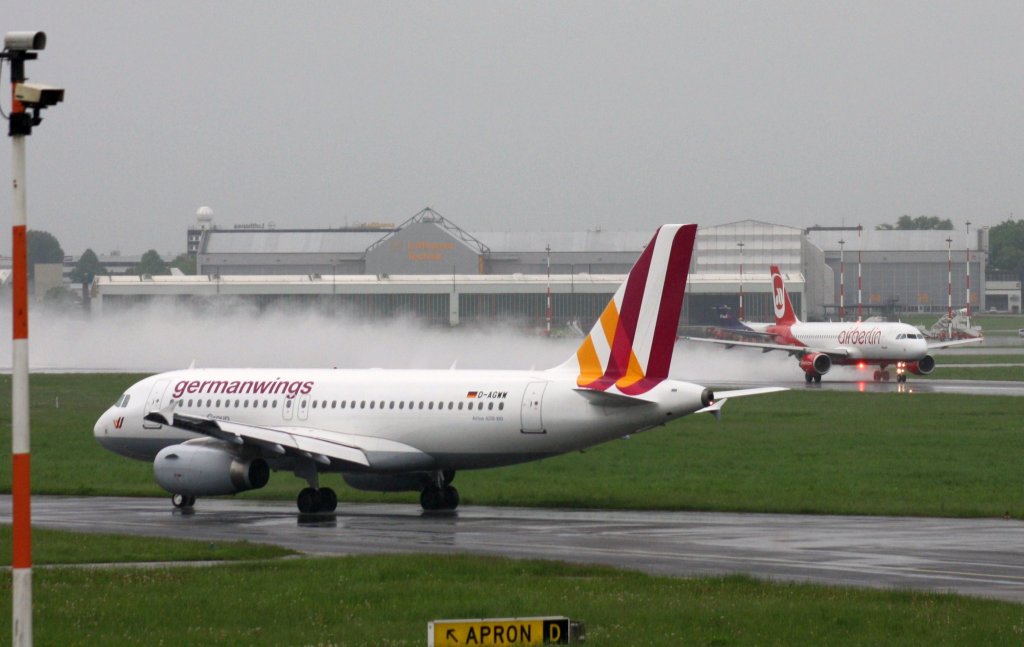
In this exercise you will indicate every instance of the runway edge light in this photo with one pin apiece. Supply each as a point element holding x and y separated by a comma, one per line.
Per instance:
<point>542,630</point>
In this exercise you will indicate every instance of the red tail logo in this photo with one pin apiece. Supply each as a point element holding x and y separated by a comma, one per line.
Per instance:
<point>118,422</point>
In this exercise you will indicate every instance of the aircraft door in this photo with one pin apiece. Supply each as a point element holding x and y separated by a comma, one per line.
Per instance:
<point>531,420</point>
<point>154,402</point>
<point>288,408</point>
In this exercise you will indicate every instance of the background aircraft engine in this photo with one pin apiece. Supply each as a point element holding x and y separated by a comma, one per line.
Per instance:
<point>818,363</point>
<point>923,366</point>
<point>387,482</point>
<point>202,470</point>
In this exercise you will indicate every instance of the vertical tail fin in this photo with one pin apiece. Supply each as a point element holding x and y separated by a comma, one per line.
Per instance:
<point>784,312</point>
<point>629,350</point>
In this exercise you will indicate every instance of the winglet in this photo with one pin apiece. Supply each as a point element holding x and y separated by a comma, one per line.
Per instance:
<point>629,349</point>
<point>164,416</point>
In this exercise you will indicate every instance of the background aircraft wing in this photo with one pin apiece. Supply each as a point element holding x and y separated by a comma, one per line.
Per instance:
<point>321,445</point>
<point>954,342</point>
<point>766,346</point>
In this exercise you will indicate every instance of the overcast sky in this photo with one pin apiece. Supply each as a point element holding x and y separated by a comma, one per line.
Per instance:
<point>518,115</point>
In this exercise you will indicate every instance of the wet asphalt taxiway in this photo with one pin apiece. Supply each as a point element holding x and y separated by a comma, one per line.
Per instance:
<point>978,557</point>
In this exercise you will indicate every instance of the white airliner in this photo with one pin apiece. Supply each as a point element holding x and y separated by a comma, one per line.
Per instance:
<point>212,431</point>
<point>819,346</point>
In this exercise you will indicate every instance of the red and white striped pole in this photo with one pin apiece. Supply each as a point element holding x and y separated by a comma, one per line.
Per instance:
<point>21,562</point>
<point>18,48</point>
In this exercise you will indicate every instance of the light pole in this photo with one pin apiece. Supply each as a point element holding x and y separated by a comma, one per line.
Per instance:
<point>842,283</point>
<point>741,245</point>
<point>968,274</point>
<point>18,48</point>
<point>949,286</point>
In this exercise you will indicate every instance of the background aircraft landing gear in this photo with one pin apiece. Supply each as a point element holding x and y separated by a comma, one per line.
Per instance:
<point>312,500</point>
<point>812,377</point>
<point>182,501</point>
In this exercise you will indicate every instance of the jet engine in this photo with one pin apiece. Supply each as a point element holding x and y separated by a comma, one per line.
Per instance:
<point>195,469</point>
<point>923,366</point>
<point>813,363</point>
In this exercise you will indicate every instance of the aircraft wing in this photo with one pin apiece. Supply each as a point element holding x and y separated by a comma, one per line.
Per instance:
<point>766,346</point>
<point>323,446</point>
<point>955,342</point>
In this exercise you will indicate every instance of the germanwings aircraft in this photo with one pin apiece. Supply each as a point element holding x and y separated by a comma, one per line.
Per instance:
<point>819,346</point>
<point>220,431</point>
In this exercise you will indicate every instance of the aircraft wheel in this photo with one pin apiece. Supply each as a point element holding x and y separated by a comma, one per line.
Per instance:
<point>817,379</point>
<point>449,498</point>
<point>432,498</point>
<point>328,500</point>
<point>808,378</point>
<point>885,376</point>
<point>182,501</point>
<point>308,501</point>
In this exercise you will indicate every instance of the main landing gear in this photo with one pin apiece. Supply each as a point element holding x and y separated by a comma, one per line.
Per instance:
<point>312,500</point>
<point>812,377</point>
<point>440,495</point>
<point>181,501</point>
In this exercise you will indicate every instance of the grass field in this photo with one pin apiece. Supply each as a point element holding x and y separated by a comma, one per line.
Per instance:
<point>389,600</point>
<point>797,451</point>
<point>57,547</point>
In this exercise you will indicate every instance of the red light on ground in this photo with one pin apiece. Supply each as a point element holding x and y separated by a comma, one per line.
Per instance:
<point>861,365</point>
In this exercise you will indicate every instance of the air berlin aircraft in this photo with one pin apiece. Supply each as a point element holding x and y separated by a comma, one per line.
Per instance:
<point>819,346</point>
<point>220,431</point>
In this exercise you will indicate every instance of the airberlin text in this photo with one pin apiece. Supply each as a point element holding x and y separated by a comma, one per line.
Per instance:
<point>287,388</point>
<point>858,337</point>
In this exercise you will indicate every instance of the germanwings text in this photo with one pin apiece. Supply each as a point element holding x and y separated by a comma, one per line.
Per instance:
<point>288,388</point>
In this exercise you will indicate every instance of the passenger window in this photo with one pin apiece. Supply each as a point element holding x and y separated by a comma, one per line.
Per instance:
<point>218,403</point>
<point>209,404</point>
<point>372,403</point>
<point>287,404</point>
<point>401,405</point>
<point>362,404</point>
<point>381,404</point>
<point>273,404</point>
<point>460,406</point>
<point>391,405</point>
<point>236,404</point>
<point>430,405</point>
<point>421,405</point>
<point>490,406</point>
<point>334,404</point>
<point>451,405</point>
<point>501,406</point>
<point>314,404</point>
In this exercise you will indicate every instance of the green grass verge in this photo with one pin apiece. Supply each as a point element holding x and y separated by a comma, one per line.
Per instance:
<point>797,451</point>
<point>389,600</point>
<point>59,547</point>
<point>954,372</point>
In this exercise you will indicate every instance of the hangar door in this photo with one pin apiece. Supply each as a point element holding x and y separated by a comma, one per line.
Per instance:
<point>531,421</point>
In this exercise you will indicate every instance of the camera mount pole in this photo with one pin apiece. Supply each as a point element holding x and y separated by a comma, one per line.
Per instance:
<point>19,127</point>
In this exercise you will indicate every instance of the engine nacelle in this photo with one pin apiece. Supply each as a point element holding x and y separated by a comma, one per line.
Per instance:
<point>923,366</point>
<point>813,363</point>
<point>413,482</point>
<point>205,470</point>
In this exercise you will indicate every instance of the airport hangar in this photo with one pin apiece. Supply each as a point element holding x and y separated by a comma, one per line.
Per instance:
<point>430,269</point>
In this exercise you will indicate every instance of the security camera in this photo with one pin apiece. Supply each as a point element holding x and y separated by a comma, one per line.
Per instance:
<point>23,41</point>
<point>37,94</point>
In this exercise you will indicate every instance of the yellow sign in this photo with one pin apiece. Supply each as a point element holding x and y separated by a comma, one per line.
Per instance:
<point>502,631</point>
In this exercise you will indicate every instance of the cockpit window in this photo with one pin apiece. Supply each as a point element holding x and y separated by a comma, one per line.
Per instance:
<point>122,401</point>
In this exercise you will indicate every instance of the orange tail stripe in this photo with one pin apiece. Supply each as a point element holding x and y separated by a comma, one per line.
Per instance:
<point>590,364</point>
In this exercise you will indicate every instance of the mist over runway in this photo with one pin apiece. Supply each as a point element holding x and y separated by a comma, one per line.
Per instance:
<point>162,338</point>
